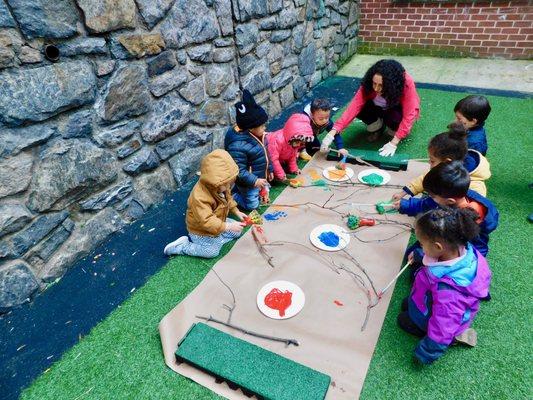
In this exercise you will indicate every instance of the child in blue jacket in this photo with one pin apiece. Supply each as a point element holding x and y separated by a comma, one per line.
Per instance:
<point>472,111</point>
<point>246,143</point>
<point>447,186</point>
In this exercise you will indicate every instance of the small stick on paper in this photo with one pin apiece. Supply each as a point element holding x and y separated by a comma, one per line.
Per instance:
<point>382,292</point>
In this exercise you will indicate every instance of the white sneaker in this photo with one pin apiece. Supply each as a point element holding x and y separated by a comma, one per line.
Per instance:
<point>375,126</point>
<point>174,248</point>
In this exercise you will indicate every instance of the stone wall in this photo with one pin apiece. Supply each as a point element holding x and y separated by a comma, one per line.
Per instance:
<point>140,91</point>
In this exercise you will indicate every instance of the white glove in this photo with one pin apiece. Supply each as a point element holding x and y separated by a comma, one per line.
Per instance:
<point>388,150</point>
<point>326,142</point>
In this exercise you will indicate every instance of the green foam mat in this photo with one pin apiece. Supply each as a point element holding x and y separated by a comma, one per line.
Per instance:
<point>259,371</point>
<point>396,162</point>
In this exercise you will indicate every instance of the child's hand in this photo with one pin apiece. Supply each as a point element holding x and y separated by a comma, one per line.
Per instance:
<point>270,176</point>
<point>297,172</point>
<point>398,196</point>
<point>240,215</point>
<point>260,182</point>
<point>396,204</point>
<point>344,152</point>
<point>411,257</point>
<point>234,227</point>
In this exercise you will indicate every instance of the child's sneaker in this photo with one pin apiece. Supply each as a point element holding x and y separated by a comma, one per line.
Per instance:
<point>175,247</point>
<point>305,156</point>
<point>468,338</point>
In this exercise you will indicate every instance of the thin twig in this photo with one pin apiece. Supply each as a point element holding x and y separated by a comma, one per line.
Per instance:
<point>251,333</point>
<point>232,307</point>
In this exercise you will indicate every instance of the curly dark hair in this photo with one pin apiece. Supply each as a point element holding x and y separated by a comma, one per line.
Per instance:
<point>457,226</point>
<point>393,80</point>
<point>451,144</point>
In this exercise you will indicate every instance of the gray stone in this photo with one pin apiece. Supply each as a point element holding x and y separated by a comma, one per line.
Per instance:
<point>200,53</point>
<point>153,11</point>
<point>79,125</point>
<point>17,285</point>
<point>145,160</point>
<point>286,95</point>
<point>129,148</point>
<point>258,79</point>
<point>105,67</point>
<point>6,20</point>
<point>151,188</point>
<point>133,209</point>
<point>63,159</point>
<point>185,164</point>
<point>307,60</point>
<point>352,17</point>
<point>118,133</point>
<point>247,63</point>
<point>170,113</point>
<point>144,44</point>
<point>287,18</point>
<point>22,241</point>
<point>263,48</point>
<point>275,68</point>
<point>299,86</point>
<point>225,20</point>
<point>188,22</point>
<point>108,15</point>
<point>231,93</point>
<point>223,55</point>
<point>344,8</point>
<point>211,113</point>
<point>268,24</point>
<point>280,36</point>
<point>28,55</point>
<point>161,63</point>
<point>171,146</point>
<point>194,91</point>
<point>198,136</point>
<point>15,174</point>
<point>245,10</point>
<point>13,141</point>
<point>118,50</point>
<point>13,217</point>
<point>195,70</point>
<point>7,57</point>
<point>317,34</point>
<point>223,42</point>
<point>274,105</point>
<point>281,80</point>
<point>45,18</point>
<point>170,80</point>
<point>218,78</point>
<point>108,197</point>
<point>335,18</point>
<point>40,93</point>
<point>83,239</point>
<point>83,45</point>
<point>289,61</point>
<point>218,138</point>
<point>315,79</point>
<point>274,5</point>
<point>320,58</point>
<point>275,53</point>
<point>41,253</point>
<point>246,37</point>
<point>125,95</point>
<point>323,22</point>
<point>344,23</point>
<point>181,55</point>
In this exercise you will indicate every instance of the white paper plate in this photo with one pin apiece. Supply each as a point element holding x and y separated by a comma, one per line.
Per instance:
<point>348,176</point>
<point>384,174</point>
<point>344,237</point>
<point>271,289</point>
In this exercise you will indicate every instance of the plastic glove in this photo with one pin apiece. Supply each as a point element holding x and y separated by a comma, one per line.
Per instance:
<point>388,150</point>
<point>326,142</point>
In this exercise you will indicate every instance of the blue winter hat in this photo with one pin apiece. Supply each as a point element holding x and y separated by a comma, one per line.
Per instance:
<point>249,113</point>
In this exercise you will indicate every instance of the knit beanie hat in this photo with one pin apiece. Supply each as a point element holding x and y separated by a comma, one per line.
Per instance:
<point>249,113</point>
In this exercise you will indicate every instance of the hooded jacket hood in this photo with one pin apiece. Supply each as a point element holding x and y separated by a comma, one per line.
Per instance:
<point>218,168</point>
<point>298,127</point>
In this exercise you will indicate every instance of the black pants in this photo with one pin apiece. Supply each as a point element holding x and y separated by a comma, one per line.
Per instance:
<point>391,116</point>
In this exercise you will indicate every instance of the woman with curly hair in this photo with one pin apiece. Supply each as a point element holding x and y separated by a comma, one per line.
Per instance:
<point>386,101</point>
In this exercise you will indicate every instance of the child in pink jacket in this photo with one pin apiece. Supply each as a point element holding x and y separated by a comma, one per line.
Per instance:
<point>284,145</point>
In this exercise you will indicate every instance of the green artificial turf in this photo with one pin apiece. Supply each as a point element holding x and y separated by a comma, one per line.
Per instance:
<point>121,357</point>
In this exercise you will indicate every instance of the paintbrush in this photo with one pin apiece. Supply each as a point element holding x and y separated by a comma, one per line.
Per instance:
<point>382,292</point>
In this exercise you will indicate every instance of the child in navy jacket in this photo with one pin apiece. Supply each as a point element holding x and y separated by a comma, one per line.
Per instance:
<point>472,111</point>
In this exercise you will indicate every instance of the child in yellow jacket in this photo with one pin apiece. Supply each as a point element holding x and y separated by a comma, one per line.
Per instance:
<point>208,207</point>
<point>452,146</point>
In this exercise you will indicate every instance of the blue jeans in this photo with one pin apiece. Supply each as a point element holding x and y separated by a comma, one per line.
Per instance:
<point>247,198</point>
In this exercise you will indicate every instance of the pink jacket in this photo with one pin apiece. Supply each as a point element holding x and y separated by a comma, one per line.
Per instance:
<point>409,101</point>
<point>279,149</point>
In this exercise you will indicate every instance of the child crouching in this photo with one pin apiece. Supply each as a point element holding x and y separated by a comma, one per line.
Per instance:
<point>448,287</point>
<point>208,207</point>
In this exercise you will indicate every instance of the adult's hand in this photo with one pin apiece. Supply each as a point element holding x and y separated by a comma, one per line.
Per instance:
<point>388,149</point>
<point>326,142</point>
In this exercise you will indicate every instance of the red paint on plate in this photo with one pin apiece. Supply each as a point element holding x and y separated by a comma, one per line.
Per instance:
<point>278,300</point>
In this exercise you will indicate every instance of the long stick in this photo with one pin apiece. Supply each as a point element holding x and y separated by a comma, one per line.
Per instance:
<point>382,292</point>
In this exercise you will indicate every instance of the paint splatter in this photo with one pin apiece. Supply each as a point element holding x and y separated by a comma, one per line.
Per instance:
<point>330,239</point>
<point>336,174</point>
<point>313,173</point>
<point>278,300</point>
<point>319,182</point>
<point>372,179</point>
<point>339,303</point>
<point>275,215</point>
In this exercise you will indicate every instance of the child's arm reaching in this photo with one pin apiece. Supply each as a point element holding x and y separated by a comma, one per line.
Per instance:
<point>414,206</point>
<point>412,189</point>
<point>203,211</point>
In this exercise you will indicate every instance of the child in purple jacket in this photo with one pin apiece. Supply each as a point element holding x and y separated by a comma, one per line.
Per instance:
<point>445,296</point>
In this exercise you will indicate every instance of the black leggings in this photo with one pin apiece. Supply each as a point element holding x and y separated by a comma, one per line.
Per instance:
<point>391,116</point>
